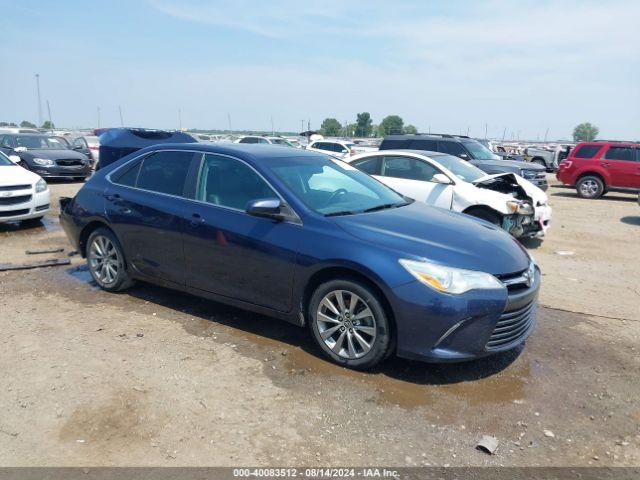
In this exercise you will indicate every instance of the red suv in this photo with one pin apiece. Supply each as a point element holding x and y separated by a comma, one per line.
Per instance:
<point>594,168</point>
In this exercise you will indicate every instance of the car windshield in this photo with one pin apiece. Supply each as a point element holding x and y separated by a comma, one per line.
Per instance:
<point>480,152</point>
<point>40,142</point>
<point>4,161</point>
<point>331,187</point>
<point>460,168</point>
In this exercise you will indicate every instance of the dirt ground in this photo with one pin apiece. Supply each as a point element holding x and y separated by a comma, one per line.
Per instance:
<point>154,377</point>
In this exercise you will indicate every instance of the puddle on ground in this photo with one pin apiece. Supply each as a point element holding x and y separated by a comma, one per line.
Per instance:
<point>46,225</point>
<point>81,273</point>
<point>501,379</point>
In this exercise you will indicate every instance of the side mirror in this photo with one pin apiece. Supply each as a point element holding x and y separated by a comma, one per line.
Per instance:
<point>441,178</point>
<point>268,208</point>
<point>464,156</point>
<point>77,147</point>
<point>15,158</point>
<point>20,149</point>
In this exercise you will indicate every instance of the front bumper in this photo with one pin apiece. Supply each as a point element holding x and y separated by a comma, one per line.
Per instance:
<point>435,327</point>
<point>37,206</point>
<point>58,171</point>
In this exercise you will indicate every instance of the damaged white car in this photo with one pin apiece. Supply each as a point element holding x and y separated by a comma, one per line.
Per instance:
<point>445,181</point>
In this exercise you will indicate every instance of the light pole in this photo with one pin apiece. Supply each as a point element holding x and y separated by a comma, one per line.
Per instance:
<point>39,100</point>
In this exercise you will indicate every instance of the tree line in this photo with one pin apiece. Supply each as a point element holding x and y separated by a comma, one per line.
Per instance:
<point>27,124</point>
<point>364,127</point>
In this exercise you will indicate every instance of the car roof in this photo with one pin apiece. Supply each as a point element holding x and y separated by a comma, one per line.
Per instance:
<point>431,136</point>
<point>244,151</point>
<point>400,151</point>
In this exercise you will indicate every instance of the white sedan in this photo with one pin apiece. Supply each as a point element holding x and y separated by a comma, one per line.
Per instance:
<point>445,181</point>
<point>23,194</point>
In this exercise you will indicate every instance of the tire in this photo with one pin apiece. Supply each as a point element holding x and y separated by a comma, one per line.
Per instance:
<point>590,186</point>
<point>365,338</point>
<point>106,261</point>
<point>486,215</point>
<point>33,222</point>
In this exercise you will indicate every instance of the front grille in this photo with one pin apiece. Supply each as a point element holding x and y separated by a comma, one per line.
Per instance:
<point>14,200</point>
<point>11,188</point>
<point>514,281</point>
<point>14,213</point>
<point>512,327</point>
<point>69,162</point>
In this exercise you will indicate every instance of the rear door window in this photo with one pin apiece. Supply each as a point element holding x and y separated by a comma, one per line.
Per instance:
<point>129,177</point>
<point>586,151</point>
<point>620,153</point>
<point>165,172</point>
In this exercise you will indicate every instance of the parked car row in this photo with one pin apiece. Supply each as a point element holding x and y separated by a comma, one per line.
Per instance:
<point>310,239</point>
<point>46,155</point>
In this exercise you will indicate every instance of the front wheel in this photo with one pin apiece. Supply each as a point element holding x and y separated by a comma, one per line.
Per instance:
<point>486,215</point>
<point>106,262</point>
<point>349,324</point>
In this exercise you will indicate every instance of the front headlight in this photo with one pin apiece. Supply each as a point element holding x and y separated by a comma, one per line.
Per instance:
<point>45,162</point>
<point>449,279</point>
<point>529,174</point>
<point>514,206</point>
<point>41,186</point>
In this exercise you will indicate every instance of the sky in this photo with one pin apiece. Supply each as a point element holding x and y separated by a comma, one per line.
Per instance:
<point>529,68</point>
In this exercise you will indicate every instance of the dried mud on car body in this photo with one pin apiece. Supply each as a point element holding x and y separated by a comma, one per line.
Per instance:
<point>155,377</point>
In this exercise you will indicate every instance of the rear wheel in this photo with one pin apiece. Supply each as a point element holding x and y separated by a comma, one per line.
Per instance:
<point>590,186</point>
<point>106,262</point>
<point>349,324</point>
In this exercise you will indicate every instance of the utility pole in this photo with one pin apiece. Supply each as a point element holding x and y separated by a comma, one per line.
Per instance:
<point>39,100</point>
<point>301,125</point>
<point>504,133</point>
<point>468,128</point>
<point>545,134</point>
<point>121,120</point>
<point>50,121</point>
<point>485,131</point>
<point>273,132</point>
<point>98,117</point>
<point>229,118</point>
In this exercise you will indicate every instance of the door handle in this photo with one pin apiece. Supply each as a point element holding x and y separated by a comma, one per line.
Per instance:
<point>113,197</point>
<point>605,165</point>
<point>196,220</point>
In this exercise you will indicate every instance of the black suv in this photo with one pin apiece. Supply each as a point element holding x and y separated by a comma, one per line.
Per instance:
<point>467,149</point>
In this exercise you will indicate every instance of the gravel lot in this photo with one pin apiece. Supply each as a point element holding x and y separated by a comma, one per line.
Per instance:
<point>154,377</point>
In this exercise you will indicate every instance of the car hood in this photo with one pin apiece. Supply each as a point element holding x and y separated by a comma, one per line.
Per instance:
<point>536,194</point>
<point>53,154</point>
<point>16,175</point>
<point>512,164</point>
<point>440,236</point>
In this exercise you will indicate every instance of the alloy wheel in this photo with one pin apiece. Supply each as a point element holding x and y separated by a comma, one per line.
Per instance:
<point>346,324</point>
<point>104,260</point>
<point>589,188</point>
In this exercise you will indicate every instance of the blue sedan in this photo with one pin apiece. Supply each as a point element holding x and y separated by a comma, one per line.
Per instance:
<point>311,240</point>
